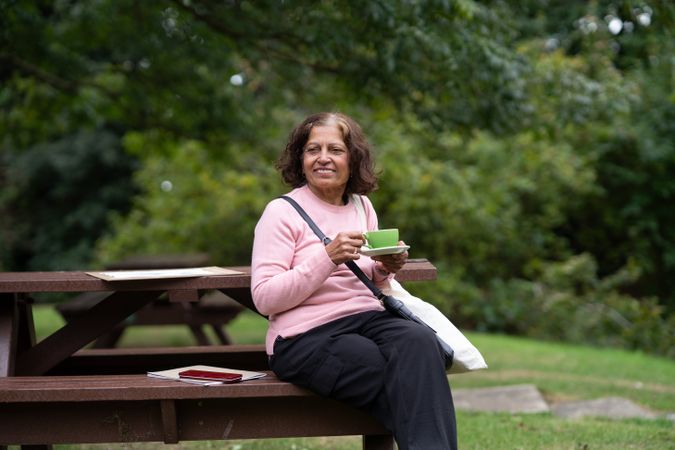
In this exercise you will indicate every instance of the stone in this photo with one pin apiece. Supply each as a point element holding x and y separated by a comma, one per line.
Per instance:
<point>524,398</point>
<point>611,407</point>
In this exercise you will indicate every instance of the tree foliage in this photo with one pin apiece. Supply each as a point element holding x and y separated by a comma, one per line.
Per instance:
<point>57,198</point>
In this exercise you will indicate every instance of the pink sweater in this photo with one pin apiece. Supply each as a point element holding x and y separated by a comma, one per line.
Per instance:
<point>294,282</point>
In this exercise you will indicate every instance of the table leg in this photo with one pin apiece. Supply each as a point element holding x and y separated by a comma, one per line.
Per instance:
<point>109,340</point>
<point>26,331</point>
<point>378,442</point>
<point>222,334</point>
<point>9,324</point>
<point>199,335</point>
<point>100,319</point>
<point>241,295</point>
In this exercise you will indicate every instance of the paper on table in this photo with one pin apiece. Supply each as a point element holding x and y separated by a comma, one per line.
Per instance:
<point>172,374</point>
<point>119,275</point>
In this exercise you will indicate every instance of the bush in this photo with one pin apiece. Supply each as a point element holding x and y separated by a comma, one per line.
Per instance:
<point>565,302</point>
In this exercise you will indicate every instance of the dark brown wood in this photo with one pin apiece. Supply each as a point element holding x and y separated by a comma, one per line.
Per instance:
<point>211,419</point>
<point>80,388</point>
<point>82,282</point>
<point>112,361</point>
<point>127,408</point>
<point>222,334</point>
<point>242,296</point>
<point>184,295</point>
<point>169,421</point>
<point>135,408</point>
<point>378,442</point>
<point>199,334</point>
<point>419,269</point>
<point>75,335</point>
<point>14,282</point>
<point>9,318</point>
<point>213,308</point>
<point>25,334</point>
<point>111,338</point>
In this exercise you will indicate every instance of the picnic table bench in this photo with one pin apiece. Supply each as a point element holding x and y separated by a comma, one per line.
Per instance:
<point>136,408</point>
<point>56,391</point>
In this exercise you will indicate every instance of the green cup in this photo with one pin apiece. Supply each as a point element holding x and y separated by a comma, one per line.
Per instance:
<point>382,238</point>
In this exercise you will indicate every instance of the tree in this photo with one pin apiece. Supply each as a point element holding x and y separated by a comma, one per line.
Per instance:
<point>57,199</point>
<point>218,71</point>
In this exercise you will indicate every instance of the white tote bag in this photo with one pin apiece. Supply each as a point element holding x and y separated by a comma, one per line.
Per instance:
<point>467,358</point>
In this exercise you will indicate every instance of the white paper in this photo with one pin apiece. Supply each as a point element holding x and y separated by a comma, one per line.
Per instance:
<point>172,374</point>
<point>119,275</point>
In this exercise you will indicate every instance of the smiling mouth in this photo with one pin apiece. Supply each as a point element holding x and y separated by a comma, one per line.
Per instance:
<point>324,171</point>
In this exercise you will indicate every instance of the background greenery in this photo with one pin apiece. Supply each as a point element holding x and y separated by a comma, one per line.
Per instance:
<point>526,147</point>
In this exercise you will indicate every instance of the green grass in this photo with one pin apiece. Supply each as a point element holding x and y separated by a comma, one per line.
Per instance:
<point>572,372</point>
<point>561,371</point>
<point>543,431</point>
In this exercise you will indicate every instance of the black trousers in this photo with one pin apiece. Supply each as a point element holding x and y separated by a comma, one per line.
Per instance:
<point>387,366</point>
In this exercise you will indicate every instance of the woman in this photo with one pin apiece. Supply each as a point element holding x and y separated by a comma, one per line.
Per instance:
<point>327,331</point>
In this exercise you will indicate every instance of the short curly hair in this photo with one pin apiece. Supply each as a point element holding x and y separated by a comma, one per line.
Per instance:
<point>363,179</point>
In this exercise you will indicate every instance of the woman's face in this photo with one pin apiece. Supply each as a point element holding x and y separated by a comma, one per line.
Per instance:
<point>325,163</point>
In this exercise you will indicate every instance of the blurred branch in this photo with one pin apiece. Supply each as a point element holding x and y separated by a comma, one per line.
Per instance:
<point>35,71</point>
<point>62,84</point>
<point>292,43</point>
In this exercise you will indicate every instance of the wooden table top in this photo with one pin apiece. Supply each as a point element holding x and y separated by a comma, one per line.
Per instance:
<point>76,281</point>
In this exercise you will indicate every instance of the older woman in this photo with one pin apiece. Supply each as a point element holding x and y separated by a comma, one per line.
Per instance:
<point>327,331</point>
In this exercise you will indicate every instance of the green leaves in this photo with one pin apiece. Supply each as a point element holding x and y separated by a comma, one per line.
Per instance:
<point>58,197</point>
<point>191,202</point>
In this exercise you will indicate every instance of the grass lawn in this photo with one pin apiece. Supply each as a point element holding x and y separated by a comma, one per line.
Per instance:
<point>561,372</point>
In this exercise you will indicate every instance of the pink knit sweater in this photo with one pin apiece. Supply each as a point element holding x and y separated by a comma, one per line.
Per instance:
<point>294,282</point>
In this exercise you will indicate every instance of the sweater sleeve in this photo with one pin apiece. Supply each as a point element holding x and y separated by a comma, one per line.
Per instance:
<point>278,285</point>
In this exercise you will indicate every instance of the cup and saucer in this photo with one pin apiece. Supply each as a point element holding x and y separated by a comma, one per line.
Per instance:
<point>382,242</point>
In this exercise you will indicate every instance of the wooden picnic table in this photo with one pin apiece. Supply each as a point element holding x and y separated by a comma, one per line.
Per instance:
<point>82,395</point>
<point>21,355</point>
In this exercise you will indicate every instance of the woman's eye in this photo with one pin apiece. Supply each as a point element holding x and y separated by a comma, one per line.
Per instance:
<point>337,151</point>
<point>312,151</point>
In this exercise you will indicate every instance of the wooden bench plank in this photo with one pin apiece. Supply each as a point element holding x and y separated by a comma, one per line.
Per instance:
<point>136,408</point>
<point>82,388</point>
<point>210,419</point>
<point>141,359</point>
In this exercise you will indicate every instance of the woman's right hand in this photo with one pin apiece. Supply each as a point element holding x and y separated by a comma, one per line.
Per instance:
<point>345,247</point>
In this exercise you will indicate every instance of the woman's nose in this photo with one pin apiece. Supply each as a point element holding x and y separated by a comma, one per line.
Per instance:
<point>323,155</point>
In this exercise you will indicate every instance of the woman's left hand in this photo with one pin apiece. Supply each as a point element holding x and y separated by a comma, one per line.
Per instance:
<point>393,263</point>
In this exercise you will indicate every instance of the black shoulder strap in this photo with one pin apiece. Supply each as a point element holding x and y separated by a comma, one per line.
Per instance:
<point>326,240</point>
